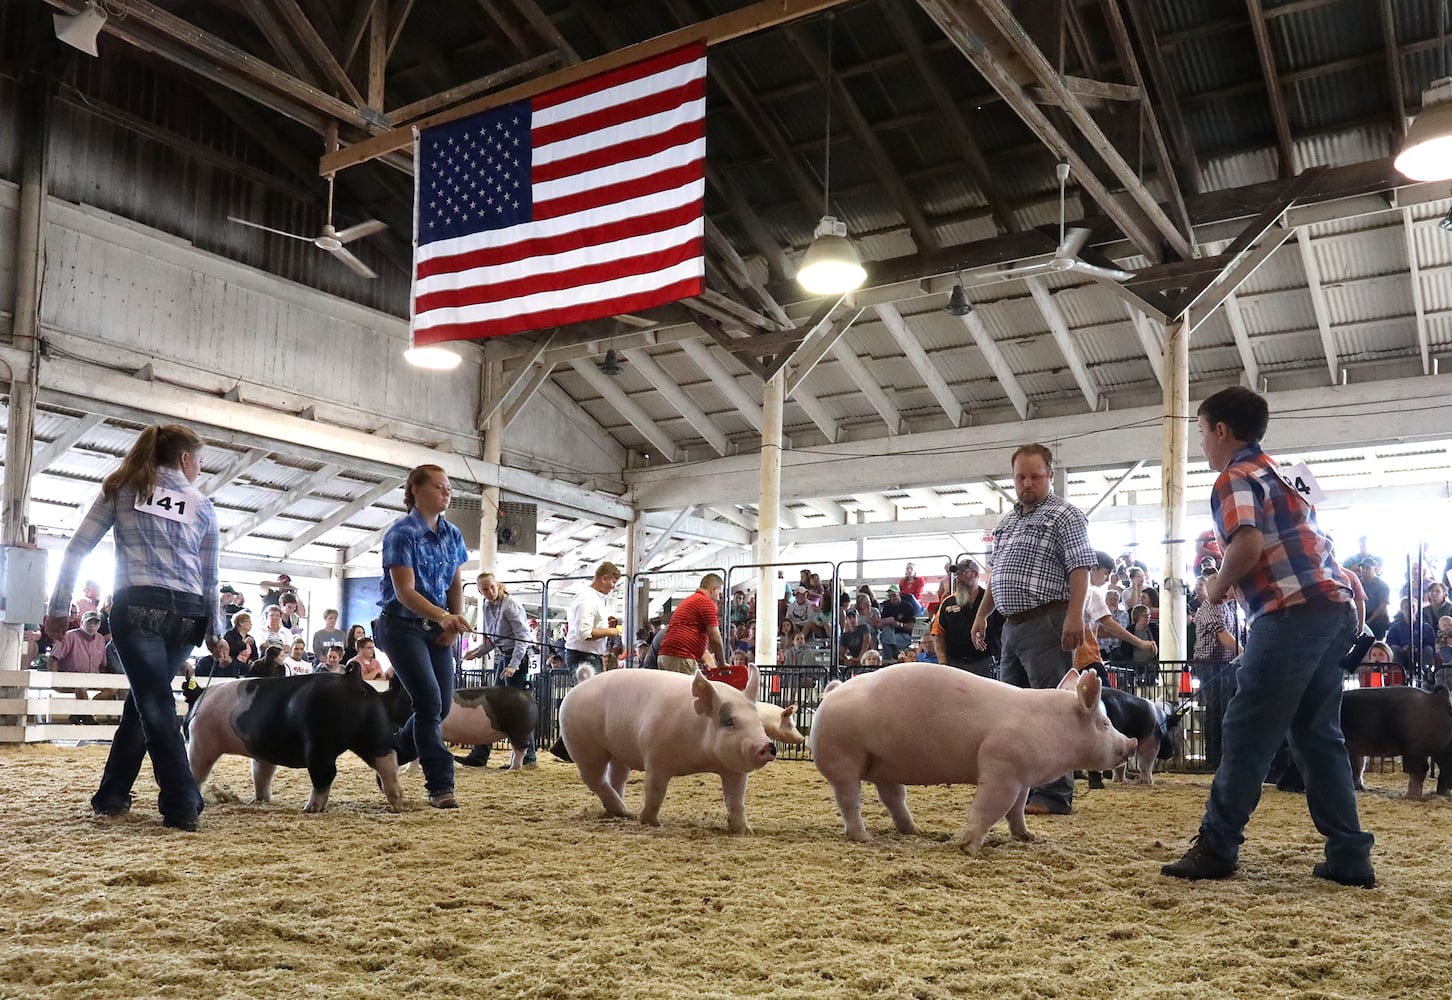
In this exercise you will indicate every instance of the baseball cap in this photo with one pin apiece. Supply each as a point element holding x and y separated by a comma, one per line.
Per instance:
<point>892,588</point>
<point>799,590</point>
<point>227,588</point>
<point>963,565</point>
<point>91,616</point>
<point>283,576</point>
<point>851,612</point>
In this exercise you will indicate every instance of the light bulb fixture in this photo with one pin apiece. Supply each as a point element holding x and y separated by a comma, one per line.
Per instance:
<point>434,357</point>
<point>80,30</point>
<point>1427,153</point>
<point>958,304</point>
<point>1446,222</point>
<point>831,265</point>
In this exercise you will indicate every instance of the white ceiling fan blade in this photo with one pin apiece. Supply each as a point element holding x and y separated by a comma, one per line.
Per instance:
<point>269,229</point>
<point>1079,266</point>
<point>362,229</point>
<point>354,264</point>
<point>1074,241</point>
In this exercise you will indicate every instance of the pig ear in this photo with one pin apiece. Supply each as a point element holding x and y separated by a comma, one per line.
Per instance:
<point>1070,681</point>
<point>704,694</point>
<point>787,713</point>
<point>753,682</point>
<point>1088,689</point>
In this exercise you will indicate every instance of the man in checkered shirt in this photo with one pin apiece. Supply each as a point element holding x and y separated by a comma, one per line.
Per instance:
<point>1039,579</point>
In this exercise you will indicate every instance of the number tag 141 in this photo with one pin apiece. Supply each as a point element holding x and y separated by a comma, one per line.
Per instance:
<point>1298,477</point>
<point>169,504</point>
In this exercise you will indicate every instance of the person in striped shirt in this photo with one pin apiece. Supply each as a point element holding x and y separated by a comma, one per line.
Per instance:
<point>165,603</point>
<point>1301,623</point>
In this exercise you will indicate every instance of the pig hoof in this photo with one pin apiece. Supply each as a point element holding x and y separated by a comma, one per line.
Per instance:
<point>649,822</point>
<point>740,828</point>
<point>859,836</point>
<point>1025,836</point>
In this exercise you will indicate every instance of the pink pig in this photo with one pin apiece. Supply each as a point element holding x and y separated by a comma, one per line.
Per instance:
<point>925,724</point>
<point>778,723</point>
<point>664,724</point>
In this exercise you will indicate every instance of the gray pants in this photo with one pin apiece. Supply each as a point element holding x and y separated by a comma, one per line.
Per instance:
<point>1032,658</point>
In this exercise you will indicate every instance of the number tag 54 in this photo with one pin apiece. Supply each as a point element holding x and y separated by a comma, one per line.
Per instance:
<point>1298,477</point>
<point>169,504</point>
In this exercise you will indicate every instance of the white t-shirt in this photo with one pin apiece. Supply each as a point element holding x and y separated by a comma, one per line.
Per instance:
<point>1095,608</point>
<point>586,614</point>
<point>296,668</point>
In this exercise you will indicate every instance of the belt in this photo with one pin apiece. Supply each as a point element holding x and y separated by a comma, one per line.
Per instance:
<point>1043,609</point>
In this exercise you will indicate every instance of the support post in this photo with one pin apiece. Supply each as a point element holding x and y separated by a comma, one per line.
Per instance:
<point>492,383</point>
<point>1174,456</point>
<point>768,524</point>
<point>34,133</point>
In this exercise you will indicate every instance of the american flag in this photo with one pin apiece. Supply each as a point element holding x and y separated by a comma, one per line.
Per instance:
<point>580,203</point>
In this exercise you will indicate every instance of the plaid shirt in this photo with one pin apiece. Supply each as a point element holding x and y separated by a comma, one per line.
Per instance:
<point>1296,565</point>
<point>151,551</point>
<point>1034,551</point>
<point>434,556</point>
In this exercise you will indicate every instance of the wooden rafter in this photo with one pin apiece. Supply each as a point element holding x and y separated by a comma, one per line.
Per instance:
<point>1059,327</point>
<point>968,28</point>
<point>1414,272</point>
<point>616,398</point>
<point>951,117</point>
<point>546,30</point>
<point>506,27</point>
<point>671,391</point>
<point>746,20</point>
<point>1170,176</point>
<point>906,342</point>
<point>724,381</point>
<point>1163,83</point>
<point>1238,330</point>
<point>885,171</point>
<point>1393,67</point>
<point>1319,304</point>
<point>280,40</point>
<point>1266,53</point>
<point>867,383</point>
<point>993,354</point>
<point>307,35</point>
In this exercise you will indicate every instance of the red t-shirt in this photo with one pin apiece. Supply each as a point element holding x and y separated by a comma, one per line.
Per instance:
<point>912,585</point>
<point>691,623</point>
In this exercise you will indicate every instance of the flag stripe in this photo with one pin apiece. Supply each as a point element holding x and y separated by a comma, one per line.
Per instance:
<point>580,203</point>
<point>477,265</point>
<point>559,315</point>
<point>661,172</point>
<point>601,291</point>
<point>588,273</point>
<point>603,150</point>
<point>688,61</point>
<point>567,232</point>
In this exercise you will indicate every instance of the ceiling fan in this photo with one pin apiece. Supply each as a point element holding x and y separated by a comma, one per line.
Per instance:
<point>1066,258</point>
<point>330,239</point>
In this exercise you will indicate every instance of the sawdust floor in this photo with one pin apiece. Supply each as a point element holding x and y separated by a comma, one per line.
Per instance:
<point>527,891</point>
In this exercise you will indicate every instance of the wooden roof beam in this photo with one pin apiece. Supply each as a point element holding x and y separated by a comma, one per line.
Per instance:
<point>1185,160</point>
<point>746,20</point>
<point>951,118</point>
<point>968,29</point>
<point>1267,57</point>
<point>897,328</point>
<point>303,30</point>
<point>882,166</point>
<point>1319,304</point>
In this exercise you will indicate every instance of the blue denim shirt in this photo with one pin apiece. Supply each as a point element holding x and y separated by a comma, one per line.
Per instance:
<point>434,556</point>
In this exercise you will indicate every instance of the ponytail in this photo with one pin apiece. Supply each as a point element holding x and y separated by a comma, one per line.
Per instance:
<point>159,446</point>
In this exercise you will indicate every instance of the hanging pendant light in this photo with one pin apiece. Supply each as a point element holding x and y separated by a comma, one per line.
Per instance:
<point>1427,152</point>
<point>831,266</point>
<point>958,304</point>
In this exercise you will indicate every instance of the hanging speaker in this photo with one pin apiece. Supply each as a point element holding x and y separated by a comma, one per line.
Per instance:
<point>80,30</point>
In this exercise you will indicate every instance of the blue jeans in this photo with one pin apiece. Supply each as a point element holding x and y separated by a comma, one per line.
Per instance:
<point>1290,680</point>
<point>573,659</point>
<point>1031,658</point>
<point>153,629</point>
<point>426,672</point>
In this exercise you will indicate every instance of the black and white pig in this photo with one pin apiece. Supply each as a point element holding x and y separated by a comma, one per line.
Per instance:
<point>479,716</point>
<point>1384,722</point>
<point>1154,726</point>
<point>305,721</point>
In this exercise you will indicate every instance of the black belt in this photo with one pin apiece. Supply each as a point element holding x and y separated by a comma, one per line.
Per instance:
<point>1018,618</point>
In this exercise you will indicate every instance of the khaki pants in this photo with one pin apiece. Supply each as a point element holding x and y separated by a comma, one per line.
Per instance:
<point>679,664</point>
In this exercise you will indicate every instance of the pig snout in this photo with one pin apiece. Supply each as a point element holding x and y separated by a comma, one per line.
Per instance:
<point>766,752</point>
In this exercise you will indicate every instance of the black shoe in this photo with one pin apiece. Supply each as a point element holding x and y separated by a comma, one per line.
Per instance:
<point>1363,878</point>
<point>472,761</point>
<point>506,767</point>
<point>186,823</point>
<point>1200,862</point>
<point>121,810</point>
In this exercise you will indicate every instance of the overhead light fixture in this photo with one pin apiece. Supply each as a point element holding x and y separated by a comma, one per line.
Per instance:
<point>1446,222</point>
<point>434,357</point>
<point>80,30</point>
<point>1427,152</point>
<point>831,266</point>
<point>958,304</point>
<point>610,364</point>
